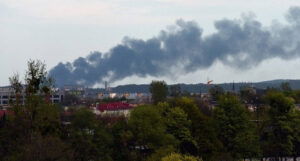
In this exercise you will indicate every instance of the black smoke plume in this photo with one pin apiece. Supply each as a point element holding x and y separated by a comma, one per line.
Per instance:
<point>241,43</point>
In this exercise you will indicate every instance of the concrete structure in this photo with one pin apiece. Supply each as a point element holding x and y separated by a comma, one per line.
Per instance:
<point>7,94</point>
<point>74,90</point>
<point>57,96</point>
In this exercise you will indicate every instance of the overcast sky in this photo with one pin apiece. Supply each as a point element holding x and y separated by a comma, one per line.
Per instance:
<point>62,30</point>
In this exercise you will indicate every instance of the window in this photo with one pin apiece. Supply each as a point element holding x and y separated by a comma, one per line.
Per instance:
<point>56,96</point>
<point>4,97</point>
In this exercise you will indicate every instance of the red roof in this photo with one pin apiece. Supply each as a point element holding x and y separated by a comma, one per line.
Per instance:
<point>114,106</point>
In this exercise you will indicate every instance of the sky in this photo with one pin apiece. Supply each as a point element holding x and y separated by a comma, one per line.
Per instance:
<point>62,30</point>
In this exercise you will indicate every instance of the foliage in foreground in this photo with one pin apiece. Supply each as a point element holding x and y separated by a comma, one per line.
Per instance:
<point>169,130</point>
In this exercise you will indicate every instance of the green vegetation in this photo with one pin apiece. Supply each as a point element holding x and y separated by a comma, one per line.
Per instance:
<point>170,129</point>
<point>159,91</point>
<point>179,157</point>
<point>234,129</point>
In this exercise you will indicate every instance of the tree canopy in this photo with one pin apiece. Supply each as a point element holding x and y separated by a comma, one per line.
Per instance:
<point>159,91</point>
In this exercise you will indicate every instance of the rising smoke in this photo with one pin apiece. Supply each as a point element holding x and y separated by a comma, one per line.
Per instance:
<point>241,44</point>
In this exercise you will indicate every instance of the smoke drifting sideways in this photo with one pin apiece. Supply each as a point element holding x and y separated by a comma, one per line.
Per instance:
<point>241,43</point>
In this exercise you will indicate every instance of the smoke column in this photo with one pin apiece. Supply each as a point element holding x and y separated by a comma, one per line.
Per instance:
<point>241,43</point>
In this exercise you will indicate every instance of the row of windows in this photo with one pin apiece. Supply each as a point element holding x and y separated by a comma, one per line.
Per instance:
<point>6,97</point>
<point>5,102</point>
<point>56,96</point>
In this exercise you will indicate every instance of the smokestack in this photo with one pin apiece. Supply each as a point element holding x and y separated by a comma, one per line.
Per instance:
<point>241,44</point>
<point>106,86</point>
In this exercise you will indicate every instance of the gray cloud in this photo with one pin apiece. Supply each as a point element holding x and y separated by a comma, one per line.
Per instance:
<point>241,43</point>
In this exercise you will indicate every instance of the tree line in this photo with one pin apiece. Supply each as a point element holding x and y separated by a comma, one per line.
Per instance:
<point>175,127</point>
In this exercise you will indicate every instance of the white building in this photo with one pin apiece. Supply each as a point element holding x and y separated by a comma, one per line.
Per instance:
<point>7,94</point>
<point>130,96</point>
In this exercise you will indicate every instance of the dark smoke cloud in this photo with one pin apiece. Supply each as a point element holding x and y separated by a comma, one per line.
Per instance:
<point>241,44</point>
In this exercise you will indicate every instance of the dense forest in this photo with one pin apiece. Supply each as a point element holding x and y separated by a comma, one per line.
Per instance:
<point>175,127</point>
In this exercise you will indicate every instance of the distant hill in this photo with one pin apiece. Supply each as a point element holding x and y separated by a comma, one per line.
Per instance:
<point>203,88</point>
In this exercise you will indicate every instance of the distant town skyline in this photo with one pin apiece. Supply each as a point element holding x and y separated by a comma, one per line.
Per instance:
<point>61,31</point>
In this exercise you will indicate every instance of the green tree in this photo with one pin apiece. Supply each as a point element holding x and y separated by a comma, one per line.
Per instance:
<point>43,116</point>
<point>175,90</point>
<point>180,157</point>
<point>295,124</point>
<point>235,130</point>
<point>179,126</point>
<point>122,136</point>
<point>16,84</point>
<point>216,91</point>
<point>161,152</point>
<point>148,131</point>
<point>37,118</point>
<point>159,91</point>
<point>42,148</point>
<point>278,133</point>
<point>285,86</point>
<point>36,79</point>
<point>296,96</point>
<point>248,94</point>
<point>202,130</point>
<point>88,137</point>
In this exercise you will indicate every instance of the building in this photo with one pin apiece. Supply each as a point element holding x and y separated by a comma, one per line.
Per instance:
<point>128,96</point>
<point>7,95</point>
<point>113,109</point>
<point>57,96</point>
<point>74,90</point>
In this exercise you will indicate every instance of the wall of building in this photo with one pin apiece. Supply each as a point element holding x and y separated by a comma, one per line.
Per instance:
<point>7,94</point>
